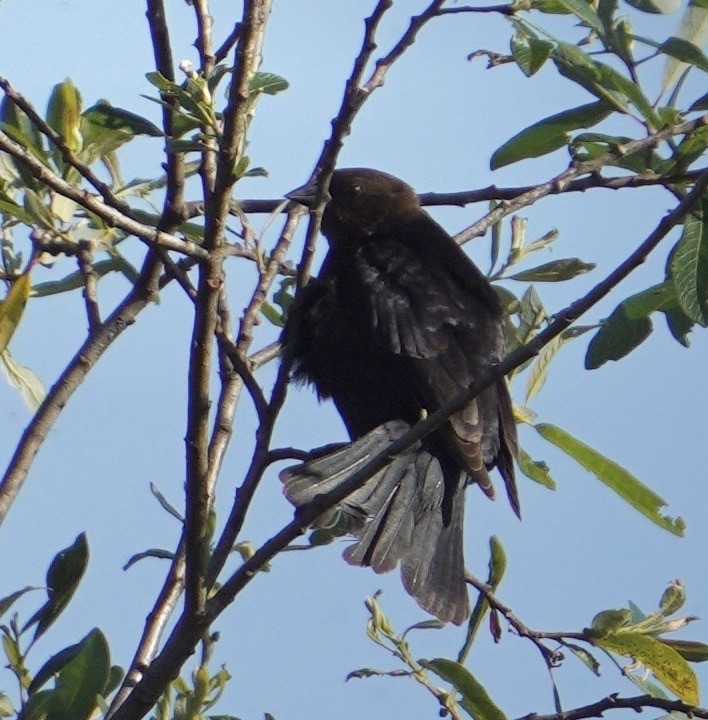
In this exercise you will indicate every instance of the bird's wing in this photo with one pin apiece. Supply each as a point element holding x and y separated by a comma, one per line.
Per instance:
<point>435,315</point>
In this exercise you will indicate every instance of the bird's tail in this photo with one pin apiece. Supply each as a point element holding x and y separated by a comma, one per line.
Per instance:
<point>409,512</point>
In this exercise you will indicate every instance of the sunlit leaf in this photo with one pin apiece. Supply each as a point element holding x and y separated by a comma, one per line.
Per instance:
<point>12,309</point>
<point>692,29</point>
<point>24,380</point>
<point>536,470</point>
<point>628,487</point>
<point>64,114</point>
<point>666,664</point>
<point>529,52</point>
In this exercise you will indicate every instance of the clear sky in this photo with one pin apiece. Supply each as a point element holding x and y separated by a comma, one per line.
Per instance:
<point>294,634</point>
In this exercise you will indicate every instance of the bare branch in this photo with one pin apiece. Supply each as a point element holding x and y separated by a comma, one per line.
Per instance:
<point>85,257</point>
<point>217,191</point>
<point>613,702</point>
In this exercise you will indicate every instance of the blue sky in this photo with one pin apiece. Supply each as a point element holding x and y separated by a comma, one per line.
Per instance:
<point>294,634</point>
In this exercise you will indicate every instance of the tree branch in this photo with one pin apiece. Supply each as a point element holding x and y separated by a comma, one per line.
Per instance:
<point>613,702</point>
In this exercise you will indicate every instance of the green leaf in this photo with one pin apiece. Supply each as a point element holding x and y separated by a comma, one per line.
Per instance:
<point>63,577</point>
<point>37,707</point>
<point>268,83</point>
<point>655,6</point>
<point>11,208</point>
<point>12,308</point>
<point>685,51</point>
<point>689,649</point>
<point>536,470</point>
<point>164,503</point>
<point>554,271</point>
<point>64,114</point>
<point>530,53</point>
<point>539,369</point>
<point>497,568</point>
<point>82,680</point>
<point>628,487</point>
<point>609,621</point>
<point>548,134</point>
<point>23,379</point>
<point>475,699</point>
<point>583,10</point>
<point>700,104</point>
<point>9,600</point>
<point>618,336</point>
<point>689,268</point>
<point>53,666</point>
<point>105,115</point>
<point>272,315</point>
<point>666,664</point>
<point>6,707</point>
<point>586,657</point>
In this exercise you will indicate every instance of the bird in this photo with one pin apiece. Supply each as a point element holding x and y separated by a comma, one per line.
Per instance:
<point>398,321</point>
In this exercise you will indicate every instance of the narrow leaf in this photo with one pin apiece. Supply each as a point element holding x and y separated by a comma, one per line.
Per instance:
<point>9,600</point>
<point>475,699</point>
<point>628,487</point>
<point>693,28</point>
<point>536,470</point>
<point>548,134</point>
<point>12,309</point>
<point>63,577</point>
<point>586,657</point>
<point>268,83</point>
<point>23,379</point>
<point>554,271</point>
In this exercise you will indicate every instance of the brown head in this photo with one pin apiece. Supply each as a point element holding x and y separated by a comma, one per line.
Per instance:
<point>363,202</point>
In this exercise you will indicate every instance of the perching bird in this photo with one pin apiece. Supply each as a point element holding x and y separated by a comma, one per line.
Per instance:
<point>399,321</point>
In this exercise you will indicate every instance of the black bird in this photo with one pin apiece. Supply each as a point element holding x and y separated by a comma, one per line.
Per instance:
<point>399,321</point>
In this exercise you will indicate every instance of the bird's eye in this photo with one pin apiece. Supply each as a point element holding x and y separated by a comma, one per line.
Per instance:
<point>357,189</point>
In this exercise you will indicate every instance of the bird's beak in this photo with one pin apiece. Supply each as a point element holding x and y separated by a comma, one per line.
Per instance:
<point>305,195</point>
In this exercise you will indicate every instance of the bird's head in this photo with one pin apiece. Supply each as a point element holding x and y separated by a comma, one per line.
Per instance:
<point>363,202</point>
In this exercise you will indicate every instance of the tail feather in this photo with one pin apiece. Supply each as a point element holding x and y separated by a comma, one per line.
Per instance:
<point>410,512</point>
